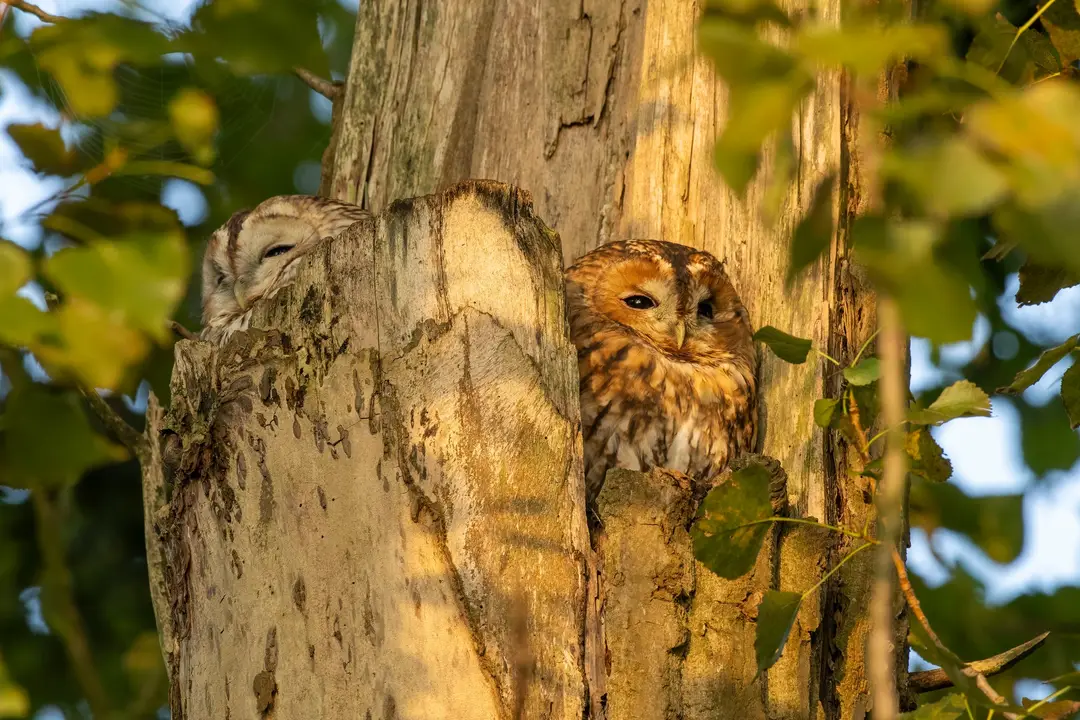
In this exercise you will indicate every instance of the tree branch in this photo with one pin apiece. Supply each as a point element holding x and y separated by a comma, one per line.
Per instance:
<point>182,331</point>
<point>33,10</point>
<point>881,653</point>
<point>327,88</point>
<point>969,669</point>
<point>929,680</point>
<point>131,438</point>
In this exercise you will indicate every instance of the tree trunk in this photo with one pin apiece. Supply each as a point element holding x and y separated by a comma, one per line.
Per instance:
<point>376,506</point>
<point>602,110</point>
<point>427,555</point>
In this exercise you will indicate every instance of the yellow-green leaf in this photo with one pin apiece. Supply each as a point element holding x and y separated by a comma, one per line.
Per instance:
<point>15,268</point>
<point>194,118</point>
<point>138,279</point>
<point>724,541</point>
<point>868,48</point>
<point>961,399</point>
<point>1047,359</point>
<point>949,178</point>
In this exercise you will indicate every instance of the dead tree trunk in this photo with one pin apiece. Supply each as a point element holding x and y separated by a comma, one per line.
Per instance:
<point>374,509</point>
<point>604,113</point>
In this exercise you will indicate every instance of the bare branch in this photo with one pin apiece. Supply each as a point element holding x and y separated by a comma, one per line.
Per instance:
<point>182,331</point>
<point>968,670</point>
<point>131,438</point>
<point>326,88</point>
<point>929,680</point>
<point>33,10</point>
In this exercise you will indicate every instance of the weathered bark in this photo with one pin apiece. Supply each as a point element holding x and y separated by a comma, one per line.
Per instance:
<point>602,110</point>
<point>375,507</point>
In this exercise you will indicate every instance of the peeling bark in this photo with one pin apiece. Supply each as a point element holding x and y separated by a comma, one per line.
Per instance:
<point>375,506</point>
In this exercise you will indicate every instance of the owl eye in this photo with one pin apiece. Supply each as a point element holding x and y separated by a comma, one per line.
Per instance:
<point>639,302</point>
<point>219,279</point>
<point>705,309</point>
<point>277,250</point>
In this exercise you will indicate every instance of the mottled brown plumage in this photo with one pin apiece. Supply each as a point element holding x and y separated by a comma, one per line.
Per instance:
<point>666,360</point>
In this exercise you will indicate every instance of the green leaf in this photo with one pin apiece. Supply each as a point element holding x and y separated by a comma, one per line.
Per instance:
<point>904,257</point>
<point>139,279</point>
<point>1031,56</point>
<point>81,53</point>
<point>1070,394</point>
<point>45,148</point>
<point>868,48</point>
<point>36,422</point>
<point>814,232</point>
<point>739,54</point>
<point>949,178</point>
<point>776,615</point>
<point>952,665</point>
<point>15,268</point>
<point>724,541</point>
<point>786,347</point>
<point>961,399</point>
<point>756,111</point>
<point>927,458</point>
<point>277,35</point>
<point>995,523</point>
<point>866,371</point>
<point>1040,283</point>
<point>1047,441</point>
<point>1047,359</point>
<point>748,11</point>
<point>950,707</point>
<point>824,409</point>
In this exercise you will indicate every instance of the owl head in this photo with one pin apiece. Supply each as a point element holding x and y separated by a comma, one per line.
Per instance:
<point>672,297</point>
<point>255,253</point>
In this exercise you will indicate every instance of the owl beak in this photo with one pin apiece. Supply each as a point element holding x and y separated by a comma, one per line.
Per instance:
<point>238,292</point>
<point>680,333</point>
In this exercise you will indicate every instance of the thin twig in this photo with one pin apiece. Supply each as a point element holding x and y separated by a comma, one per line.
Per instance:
<point>881,651</point>
<point>63,616</point>
<point>131,438</point>
<point>33,10</point>
<point>327,88</point>
<point>182,331</point>
<point>1022,29</point>
<point>929,680</point>
<point>916,609</point>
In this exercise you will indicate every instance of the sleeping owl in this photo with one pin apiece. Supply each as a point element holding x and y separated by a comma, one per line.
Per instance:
<point>255,254</point>
<point>666,361</point>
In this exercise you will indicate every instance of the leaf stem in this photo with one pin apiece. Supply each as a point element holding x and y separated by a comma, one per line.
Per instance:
<point>802,521</point>
<point>826,576</point>
<point>826,356</point>
<point>1048,699</point>
<point>1022,29</point>
<point>865,345</point>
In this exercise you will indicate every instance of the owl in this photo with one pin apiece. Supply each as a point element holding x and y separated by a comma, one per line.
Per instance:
<point>666,361</point>
<point>255,254</point>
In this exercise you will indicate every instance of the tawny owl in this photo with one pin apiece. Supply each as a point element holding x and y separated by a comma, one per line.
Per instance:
<point>255,254</point>
<point>666,360</point>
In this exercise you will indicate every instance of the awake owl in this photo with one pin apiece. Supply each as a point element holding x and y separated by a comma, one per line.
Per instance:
<point>255,254</point>
<point>666,361</point>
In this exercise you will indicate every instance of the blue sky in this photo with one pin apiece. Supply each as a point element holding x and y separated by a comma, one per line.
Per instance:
<point>985,451</point>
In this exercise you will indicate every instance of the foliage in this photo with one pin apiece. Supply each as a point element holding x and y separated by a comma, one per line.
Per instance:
<point>138,104</point>
<point>979,179</point>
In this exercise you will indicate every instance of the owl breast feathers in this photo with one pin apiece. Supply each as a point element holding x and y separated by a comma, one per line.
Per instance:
<point>666,360</point>
<point>255,254</point>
